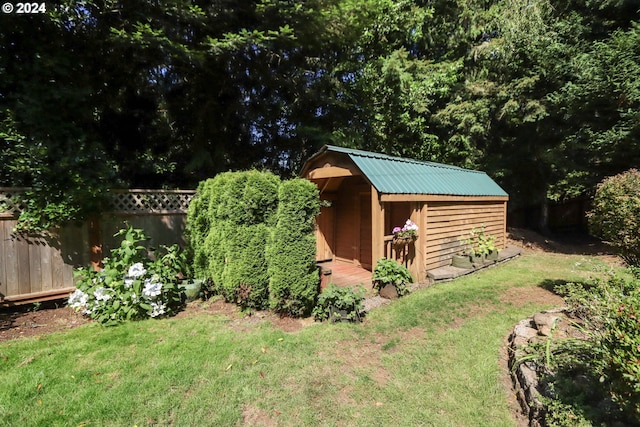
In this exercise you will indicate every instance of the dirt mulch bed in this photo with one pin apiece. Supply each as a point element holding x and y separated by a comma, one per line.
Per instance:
<point>37,319</point>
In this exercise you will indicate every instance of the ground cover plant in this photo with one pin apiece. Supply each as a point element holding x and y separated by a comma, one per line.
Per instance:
<point>389,272</point>
<point>411,362</point>
<point>340,304</point>
<point>593,378</point>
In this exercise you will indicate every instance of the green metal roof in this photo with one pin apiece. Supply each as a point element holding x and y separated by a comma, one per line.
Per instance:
<point>396,175</point>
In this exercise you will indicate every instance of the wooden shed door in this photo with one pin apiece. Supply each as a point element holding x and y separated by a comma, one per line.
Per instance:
<point>365,231</point>
<point>325,232</point>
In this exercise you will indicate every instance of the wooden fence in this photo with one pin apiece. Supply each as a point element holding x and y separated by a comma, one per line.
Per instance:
<point>41,268</point>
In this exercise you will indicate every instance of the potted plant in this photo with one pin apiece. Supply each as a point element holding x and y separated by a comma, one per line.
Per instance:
<point>462,260</point>
<point>489,248</point>
<point>478,248</point>
<point>484,245</point>
<point>405,234</point>
<point>340,304</point>
<point>390,279</point>
<point>191,288</point>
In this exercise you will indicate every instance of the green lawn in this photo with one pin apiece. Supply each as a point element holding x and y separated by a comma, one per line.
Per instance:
<point>431,358</point>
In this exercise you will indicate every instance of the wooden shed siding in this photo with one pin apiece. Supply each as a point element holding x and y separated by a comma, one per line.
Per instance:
<point>448,226</point>
<point>346,232</point>
<point>365,241</point>
<point>325,233</point>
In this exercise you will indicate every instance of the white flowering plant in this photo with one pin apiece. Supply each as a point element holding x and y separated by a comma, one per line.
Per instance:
<point>408,231</point>
<point>131,285</point>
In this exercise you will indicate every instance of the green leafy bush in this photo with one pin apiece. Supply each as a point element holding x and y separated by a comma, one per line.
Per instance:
<point>245,280</point>
<point>294,283</point>
<point>610,310</point>
<point>615,215</point>
<point>198,225</point>
<point>227,229</point>
<point>131,285</point>
<point>253,242</point>
<point>389,272</point>
<point>338,304</point>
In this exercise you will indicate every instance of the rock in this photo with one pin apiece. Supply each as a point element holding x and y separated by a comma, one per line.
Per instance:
<point>545,323</point>
<point>522,330</point>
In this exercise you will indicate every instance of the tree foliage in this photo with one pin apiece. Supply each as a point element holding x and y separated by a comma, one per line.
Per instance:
<point>542,95</point>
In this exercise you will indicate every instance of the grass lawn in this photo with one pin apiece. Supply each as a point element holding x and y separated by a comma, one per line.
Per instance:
<point>432,358</point>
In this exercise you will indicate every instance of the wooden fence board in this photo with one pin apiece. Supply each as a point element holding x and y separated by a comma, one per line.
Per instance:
<point>24,279</point>
<point>39,268</point>
<point>4,250</point>
<point>11,259</point>
<point>35,266</point>
<point>47,269</point>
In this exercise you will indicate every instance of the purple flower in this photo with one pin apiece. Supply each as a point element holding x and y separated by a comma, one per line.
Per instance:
<point>396,230</point>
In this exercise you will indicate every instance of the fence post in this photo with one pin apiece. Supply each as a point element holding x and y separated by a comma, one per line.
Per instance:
<point>95,242</point>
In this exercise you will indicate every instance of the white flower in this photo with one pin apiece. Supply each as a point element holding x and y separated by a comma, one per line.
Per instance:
<point>101,294</point>
<point>157,309</point>
<point>136,270</point>
<point>410,225</point>
<point>78,299</point>
<point>151,288</point>
<point>128,282</point>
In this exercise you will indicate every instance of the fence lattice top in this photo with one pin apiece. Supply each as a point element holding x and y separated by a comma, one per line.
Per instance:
<point>123,201</point>
<point>151,201</point>
<point>9,203</point>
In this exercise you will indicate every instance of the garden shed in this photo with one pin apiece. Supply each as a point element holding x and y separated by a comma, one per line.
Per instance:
<point>365,195</point>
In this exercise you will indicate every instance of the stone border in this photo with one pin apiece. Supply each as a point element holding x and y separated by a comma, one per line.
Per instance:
<point>537,329</point>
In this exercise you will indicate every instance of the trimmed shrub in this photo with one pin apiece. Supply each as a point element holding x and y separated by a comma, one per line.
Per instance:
<point>247,198</point>
<point>227,228</point>
<point>615,216</point>
<point>294,283</point>
<point>199,222</point>
<point>214,256</point>
<point>253,240</point>
<point>245,280</point>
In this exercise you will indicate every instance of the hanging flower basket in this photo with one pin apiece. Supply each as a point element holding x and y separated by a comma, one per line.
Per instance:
<point>402,236</point>
<point>403,240</point>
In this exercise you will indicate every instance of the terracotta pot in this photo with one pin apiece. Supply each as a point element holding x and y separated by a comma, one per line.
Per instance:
<point>389,291</point>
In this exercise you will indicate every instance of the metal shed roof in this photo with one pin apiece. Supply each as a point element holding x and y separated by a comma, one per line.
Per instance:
<point>397,175</point>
